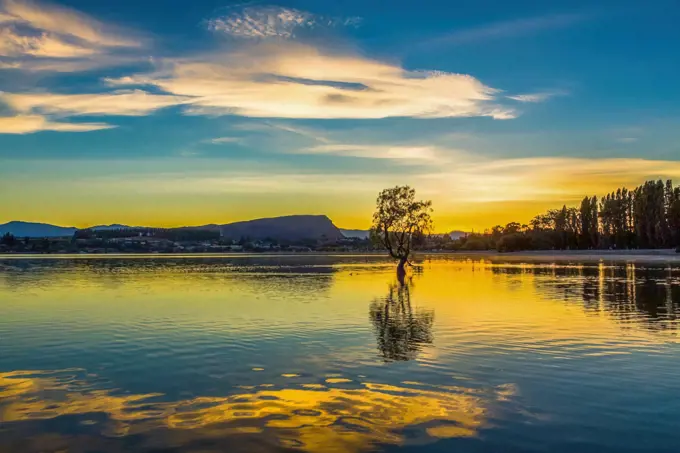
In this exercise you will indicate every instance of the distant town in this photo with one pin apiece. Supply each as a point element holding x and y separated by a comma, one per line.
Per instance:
<point>290,234</point>
<point>158,241</point>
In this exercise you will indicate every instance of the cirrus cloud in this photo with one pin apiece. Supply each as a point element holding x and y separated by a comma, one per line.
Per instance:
<point>536,97</point>
<point>64,22</point>
<point>44,37</point>
<point>123,103</point>
<point>273,22</point>
<point>33,111</point>
<point>301,81</point>
<point>27,124</point>
<point>13,44</point>
<point>368,151</point>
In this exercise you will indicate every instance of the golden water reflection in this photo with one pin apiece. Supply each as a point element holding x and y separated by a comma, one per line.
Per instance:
<point>629,293</point>
<point>293,333</point>
<point>326,419</point>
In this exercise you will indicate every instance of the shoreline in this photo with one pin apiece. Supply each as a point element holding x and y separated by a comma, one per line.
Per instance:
<point>642,255</point>
<point>657,255</point>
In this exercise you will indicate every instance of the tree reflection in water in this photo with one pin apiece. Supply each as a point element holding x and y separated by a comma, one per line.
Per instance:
<point>401,331</point>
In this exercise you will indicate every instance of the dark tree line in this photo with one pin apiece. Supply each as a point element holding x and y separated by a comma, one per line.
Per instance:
<point>645,217</point>
<point>8,239</point>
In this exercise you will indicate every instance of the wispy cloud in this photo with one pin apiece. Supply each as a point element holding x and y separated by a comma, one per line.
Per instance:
<point>261,79</point>
<point>500,30</point>
<point>27,124</point>
<point>299,81</point>
<point>35,36</point>
<point>13,44</point>
<point>64,22</point>
<point>269,127</point>
<point>536,97</point>
<point>393,152</point>
<point>223,140</point>
<point>9,65</point>
<point>34,112</point>
<point>626,135</point>
<point>123,103</point>
<point>283,138</point>
<point>273,22</point>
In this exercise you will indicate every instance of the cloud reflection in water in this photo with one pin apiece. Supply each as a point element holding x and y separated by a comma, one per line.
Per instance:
<point>344,417</point>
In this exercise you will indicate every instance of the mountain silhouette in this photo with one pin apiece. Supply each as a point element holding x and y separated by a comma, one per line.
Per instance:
<point>291,228</point>
<point>34,229</point>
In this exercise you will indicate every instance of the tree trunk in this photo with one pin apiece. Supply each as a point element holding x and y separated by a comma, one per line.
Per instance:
<point>401,269</point>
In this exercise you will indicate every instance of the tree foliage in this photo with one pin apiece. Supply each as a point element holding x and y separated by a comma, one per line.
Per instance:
<point>400,220</point>
<point>8,239</point>
<point>645,217</point>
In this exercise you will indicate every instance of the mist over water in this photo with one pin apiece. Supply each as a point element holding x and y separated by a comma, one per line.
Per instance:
<point>333,354</point>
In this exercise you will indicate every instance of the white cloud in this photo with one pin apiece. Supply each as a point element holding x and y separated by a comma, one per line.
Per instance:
<point>627,139</point>
<point>42,45</point>
<point>126,103</point>
<point>5,18</point>
<point>45,37</point>
<point>395,152</point>
<point>298,81</point>
<point>222,140</point>
<point>10,65</point>
<point>272,22</point>
<point>64,22</point>
<point>70,65</point>
<point>535,97</point>
<point>30,109</point>
<point>26,124</point>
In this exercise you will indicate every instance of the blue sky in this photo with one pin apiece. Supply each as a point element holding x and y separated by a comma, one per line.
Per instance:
<point>174,112</point>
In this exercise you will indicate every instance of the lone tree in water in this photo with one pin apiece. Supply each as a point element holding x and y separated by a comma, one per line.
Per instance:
<point>398,220</point>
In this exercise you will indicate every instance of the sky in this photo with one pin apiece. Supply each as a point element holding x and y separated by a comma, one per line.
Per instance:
<point>169,113</point>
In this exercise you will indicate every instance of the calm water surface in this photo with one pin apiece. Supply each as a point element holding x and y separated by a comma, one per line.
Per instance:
<point>331,354</point>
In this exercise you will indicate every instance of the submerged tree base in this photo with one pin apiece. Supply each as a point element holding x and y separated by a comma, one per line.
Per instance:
<point>401,270</point>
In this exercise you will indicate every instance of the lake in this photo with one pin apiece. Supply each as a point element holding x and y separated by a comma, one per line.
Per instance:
<point>332,354</point>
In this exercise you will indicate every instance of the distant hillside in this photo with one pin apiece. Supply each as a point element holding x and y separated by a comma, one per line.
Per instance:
<point>359,234</point>
<point>115,226</point>
<point>31,229</point>
<point>291,228</point>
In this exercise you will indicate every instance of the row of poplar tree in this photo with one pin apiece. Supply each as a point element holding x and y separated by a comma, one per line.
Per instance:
<point>645,217</point>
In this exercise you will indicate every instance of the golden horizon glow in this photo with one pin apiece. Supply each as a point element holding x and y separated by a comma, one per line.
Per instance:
<point>476,195</point>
